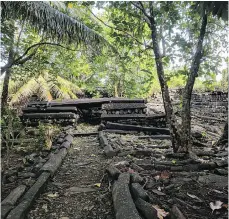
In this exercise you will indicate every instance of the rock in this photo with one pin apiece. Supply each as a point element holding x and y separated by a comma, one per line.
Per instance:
<point>65,144</point>
<point>12,179</point>
<point>54,162</point>
<point>176,213</point>
<point>138,192</point>
<point>155,191</point>
<point>214,180</point>
<point>59,140</point>
<point>75,190</point>
<point>68,138</point>
<point>136,167</point>
<point>26,175</point>
<point>221,172</point>
<point>135,178</point>
<point>113,172</point>
<point>147,210</point>
<point>108,150</point>
<point>14,195</point>
<point>22,208</point>
<point>123,203</point>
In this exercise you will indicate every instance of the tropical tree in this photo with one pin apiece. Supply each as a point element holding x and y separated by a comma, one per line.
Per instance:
<point>163,23</point>
<point>44,86</point>
<point>47,21</point>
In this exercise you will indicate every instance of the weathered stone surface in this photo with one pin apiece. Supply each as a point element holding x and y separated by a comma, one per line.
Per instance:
<point>221,172</point>
<point>14,195</point>
<point>135,178</point>
<point>176,213</point>
<point>54,162</point>
<point>65,144</point>
<point>123,203</point>
<point>214,180</point>
<point>5,209</point>
<point>75,190</point>
<point>147,210</point>
<point>109,151</point>
<point>138,192</point>
<point>68,138</point>
<point>113,172</point>
<point>19,212</point>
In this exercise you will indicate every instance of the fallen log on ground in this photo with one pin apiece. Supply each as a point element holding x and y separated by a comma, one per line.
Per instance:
<point>123,203</point>
<point>120,126</point>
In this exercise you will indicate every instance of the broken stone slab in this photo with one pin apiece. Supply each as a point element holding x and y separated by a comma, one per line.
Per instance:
<point>75,190</point>
<point>136,178</point>
<point>214,180</point>
<point>8,203</point>
<point>5,209</point>
<point>102,139</point>
<point>136,167</point>
<point>14,195</point>
<point>222,163</point>
<point>222,172</point>
<point>113,172</point>
<point>109,151</point>
<point>20,211</point>
<point>54,162</point>
<point>147,210</point>
<point>68,138</point>
<point>138,192</point>
<point>176,213</point>
<point>123,203</point>
<point>65,144</point>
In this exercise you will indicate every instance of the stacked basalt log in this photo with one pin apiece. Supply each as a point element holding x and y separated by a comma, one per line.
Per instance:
<point>133,113</point>
<point>41,111</point>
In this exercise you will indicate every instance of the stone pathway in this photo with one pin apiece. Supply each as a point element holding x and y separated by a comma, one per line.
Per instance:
<point>78,190</point>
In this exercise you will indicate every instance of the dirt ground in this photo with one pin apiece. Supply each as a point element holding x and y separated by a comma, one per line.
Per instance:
<point>81,189</point>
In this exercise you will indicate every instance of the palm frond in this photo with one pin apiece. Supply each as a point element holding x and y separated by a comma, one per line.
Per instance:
<point>24,93</point>
<point>68,85</point>
<point>50,21</point>
<point>43,91</point>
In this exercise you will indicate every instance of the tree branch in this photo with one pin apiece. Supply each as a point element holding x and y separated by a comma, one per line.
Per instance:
<point>107,25</point>
<point>147,17</point>
<point>22,59</point>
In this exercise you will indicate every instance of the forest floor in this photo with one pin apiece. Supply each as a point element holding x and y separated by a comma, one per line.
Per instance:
<point>81,188</point>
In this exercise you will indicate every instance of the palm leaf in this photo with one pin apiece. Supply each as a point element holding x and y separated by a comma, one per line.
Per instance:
<point>24,93</point>
<point>43,91</point>
<point>50,21</point>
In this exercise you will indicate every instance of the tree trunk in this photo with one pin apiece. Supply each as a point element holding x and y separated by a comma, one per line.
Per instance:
<point>6,82</point>
<point>164,87</point>
<point>187,93</point>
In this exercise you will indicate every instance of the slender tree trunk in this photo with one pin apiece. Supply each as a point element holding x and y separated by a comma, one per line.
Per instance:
<point>163,84</point>
<point>187,93</point>
<point>6,82</point>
